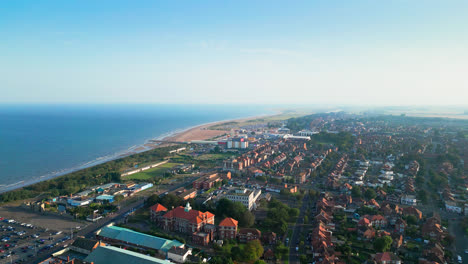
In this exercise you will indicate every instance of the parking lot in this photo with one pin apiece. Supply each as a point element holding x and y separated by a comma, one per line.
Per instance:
<point>20,242</point>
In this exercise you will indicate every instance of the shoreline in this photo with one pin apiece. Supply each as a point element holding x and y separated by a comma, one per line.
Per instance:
<point>188,133</point>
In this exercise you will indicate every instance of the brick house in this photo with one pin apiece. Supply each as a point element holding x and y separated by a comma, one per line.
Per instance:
<point>185,220</point>
<point>227,228</point>
<point>269,238</point>
<point>400,226</point>
<point>249,234</point>
<point>386,258</point>
<point>201,238</point>
<point>412,211</point>
<point>156,212</point>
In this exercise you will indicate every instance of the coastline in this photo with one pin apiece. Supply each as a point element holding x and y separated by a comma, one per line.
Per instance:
<point>197,132</point>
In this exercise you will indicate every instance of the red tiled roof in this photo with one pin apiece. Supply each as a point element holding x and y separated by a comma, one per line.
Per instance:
<point>364,221</point>
<point>228,221</point>
<point>193,216</point>
<point>385,256</point>
<point>377,217</point>
<point>158,208</point>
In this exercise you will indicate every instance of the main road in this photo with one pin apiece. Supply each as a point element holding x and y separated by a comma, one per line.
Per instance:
<point>297,229</point>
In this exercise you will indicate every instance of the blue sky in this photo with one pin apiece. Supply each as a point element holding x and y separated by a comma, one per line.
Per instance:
<point>353,52</point>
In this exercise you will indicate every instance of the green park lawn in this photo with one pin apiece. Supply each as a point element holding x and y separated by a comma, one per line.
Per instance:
<point>217,156</point>
<point>151,173</point>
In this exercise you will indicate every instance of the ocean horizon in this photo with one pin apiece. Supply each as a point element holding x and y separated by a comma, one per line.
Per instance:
<point>40,141</point>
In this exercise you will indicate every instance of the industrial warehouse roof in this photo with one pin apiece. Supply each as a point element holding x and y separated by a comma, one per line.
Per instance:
<point>105,197</point>
<point>114,255</point>
<point>136,238</point>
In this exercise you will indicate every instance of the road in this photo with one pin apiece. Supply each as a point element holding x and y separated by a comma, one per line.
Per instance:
<point>297,228</point>
<point>461,241</point>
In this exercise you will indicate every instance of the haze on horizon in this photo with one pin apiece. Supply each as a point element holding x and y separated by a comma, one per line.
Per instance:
<point>351,52</point>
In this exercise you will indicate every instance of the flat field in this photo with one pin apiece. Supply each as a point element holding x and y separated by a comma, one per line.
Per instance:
<point>151,173</point>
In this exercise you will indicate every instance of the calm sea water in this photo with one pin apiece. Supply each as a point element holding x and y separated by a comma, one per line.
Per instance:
<point>40,141</point>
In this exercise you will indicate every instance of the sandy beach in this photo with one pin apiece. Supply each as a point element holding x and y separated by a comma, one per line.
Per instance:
<point>202,132</point>
<point>197,133</point>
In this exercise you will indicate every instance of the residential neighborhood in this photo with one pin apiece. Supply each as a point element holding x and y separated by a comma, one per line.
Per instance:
<point>324,188</point>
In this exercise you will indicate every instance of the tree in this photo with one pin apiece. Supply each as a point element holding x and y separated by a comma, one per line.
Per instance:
<point>293,212</point>
<point>383,244</point>
<point>237,253</point>
<point>236,210</point>
<point>171,200</point>
<point>422,196</point>
<point>281,251</point>
<point>411,220</point>
<point>118,198</point>
<point>356,192</point>
<point>220,260</point>
<point>303,259</point>
<point>152,200</point>
<point>370,194</point>
<point>247,219</point>
<point>253,250</point>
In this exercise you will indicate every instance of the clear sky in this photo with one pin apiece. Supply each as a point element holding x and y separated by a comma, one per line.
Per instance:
<point>357,52</point>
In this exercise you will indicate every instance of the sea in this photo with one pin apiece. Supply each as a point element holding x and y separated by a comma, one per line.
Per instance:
<point>39,141</point>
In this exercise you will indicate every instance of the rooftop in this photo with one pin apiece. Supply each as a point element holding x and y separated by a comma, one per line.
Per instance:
<point>133,237</point>
<point>114,255</point>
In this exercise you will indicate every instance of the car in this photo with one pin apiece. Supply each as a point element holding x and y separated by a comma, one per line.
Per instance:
<point>460,260</point>
<point>466,251</point>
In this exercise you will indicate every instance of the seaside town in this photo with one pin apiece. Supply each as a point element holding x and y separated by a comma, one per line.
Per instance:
<point>322,188</point>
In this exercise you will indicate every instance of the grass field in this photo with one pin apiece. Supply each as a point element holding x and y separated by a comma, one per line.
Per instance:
<point>151,173</point>
<point>216,156</point>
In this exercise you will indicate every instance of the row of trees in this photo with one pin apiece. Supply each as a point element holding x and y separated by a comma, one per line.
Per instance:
<point>231,251</point>
<point>278,216</point>
<point>79,180</point>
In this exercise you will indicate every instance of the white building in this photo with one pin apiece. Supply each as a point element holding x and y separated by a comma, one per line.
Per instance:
<point>289,136</point>
<point>408,200</point>
<point>387,175</point>
<point>245,196</point>
<point>178,254</point>
<point>241,143</point>
<point>77,202</point>
<point>307,133</point>
<point>452,207</point>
